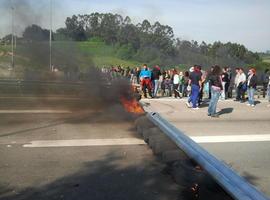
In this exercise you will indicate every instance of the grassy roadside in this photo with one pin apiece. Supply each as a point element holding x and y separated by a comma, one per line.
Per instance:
<point>103,55</point>
<point>91,51</point>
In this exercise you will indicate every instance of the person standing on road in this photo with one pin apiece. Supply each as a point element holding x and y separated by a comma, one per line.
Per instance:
<point>137,74</point>
<point>225,83</point>
<point>186,79</point>
<point>216,88</point>
<point>209,83</point>
<point>181,83</point>
<point>200,97</point>
<point>155,78</point>
<point>251,86</point>
<point>236,83</point>
<point>268,93</point>
<point>265,81</point>
<point>145,78</point>
<point>230,88</point>
<point>195,81</point>
<point>176,81</point>
<point>242,84</point>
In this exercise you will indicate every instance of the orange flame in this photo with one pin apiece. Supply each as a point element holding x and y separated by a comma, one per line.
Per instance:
<point>131,106</point>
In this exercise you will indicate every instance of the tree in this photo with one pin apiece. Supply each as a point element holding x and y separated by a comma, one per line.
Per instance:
<point>129,34</point>
<point>36,33</point>
<point>75,29</point>
<point>153,41</point>
<point>110,25</point>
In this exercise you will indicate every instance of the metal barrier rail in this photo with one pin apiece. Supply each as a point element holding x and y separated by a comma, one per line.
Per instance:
<point>16,82</point>
<point>227,178</point>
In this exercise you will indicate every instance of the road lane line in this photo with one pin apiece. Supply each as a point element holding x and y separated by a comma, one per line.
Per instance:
<point>231,138</point>
<point>34,111</point>
<point>85,142</point>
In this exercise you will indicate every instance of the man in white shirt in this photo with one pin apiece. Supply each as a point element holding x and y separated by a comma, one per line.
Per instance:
<point>242,85</point>
<point>176,82</point>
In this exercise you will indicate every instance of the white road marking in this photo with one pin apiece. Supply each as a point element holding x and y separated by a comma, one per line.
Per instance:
<point>85,142</point>
<point>231,138</point>
<point>34,111</point>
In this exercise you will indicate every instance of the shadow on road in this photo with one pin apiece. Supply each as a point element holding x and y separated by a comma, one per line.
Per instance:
<point>112,178</point>
<point>250,178</point>
<point>225,111</point>
<point>257,102</point>
<point>103,179</point>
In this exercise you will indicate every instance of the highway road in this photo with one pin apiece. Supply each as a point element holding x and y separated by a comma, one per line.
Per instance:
<point>240,136</point>
<point>62,148</point>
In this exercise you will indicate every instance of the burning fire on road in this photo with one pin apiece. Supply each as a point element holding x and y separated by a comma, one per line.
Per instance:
<point>131,105</point>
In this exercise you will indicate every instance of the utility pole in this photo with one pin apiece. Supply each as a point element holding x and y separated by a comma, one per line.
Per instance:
<point>12,37</point>
<point>15,40</point>
<point>51,35</point>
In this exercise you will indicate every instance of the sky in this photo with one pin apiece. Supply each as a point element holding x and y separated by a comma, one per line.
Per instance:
<point>241,21</point>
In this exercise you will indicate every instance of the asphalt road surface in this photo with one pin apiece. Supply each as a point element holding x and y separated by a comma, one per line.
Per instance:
<point>240,137</point>
<point>58,148</point>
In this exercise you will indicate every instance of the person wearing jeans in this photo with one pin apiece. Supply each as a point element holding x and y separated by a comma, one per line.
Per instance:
<point>265,80</point>
<point>250,93</point>
<point>155,79</point>
<point>242,87</point>
<point>145,78</point>
<point>215,94</point>
<point>216,88</point>
<point>225,83</point>
<point>195,90</point>
<point>156,86</point>
<point>195,80</point>
<point>251,86</point>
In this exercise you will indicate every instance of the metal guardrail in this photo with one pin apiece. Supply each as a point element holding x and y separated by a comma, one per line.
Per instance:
<point>227,178</point>
<point>19,81</point>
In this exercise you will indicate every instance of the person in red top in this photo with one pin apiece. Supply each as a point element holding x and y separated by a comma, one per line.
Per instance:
<point>145,78</point>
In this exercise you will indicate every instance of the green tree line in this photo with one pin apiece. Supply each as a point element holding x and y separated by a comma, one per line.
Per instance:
<point>145,42</point>
<point>154,43</point>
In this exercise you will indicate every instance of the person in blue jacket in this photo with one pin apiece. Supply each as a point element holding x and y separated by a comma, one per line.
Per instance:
<point>145,79</point>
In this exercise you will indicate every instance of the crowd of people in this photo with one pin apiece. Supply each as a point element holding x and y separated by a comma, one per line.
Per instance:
<point>197,84</point>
